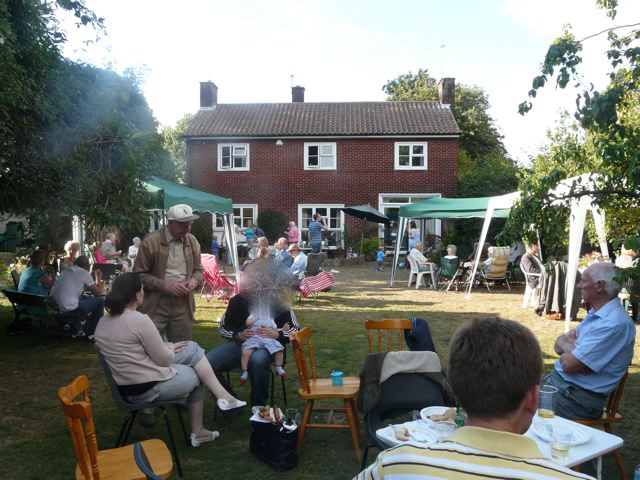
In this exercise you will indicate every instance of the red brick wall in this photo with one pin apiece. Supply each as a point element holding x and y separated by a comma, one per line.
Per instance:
<point>277,178</point>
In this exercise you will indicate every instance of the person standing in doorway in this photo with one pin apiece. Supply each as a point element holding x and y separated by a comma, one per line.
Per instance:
<point>315,233</point>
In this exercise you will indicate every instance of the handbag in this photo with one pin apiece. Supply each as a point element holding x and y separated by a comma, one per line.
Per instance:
<point>274,445</point>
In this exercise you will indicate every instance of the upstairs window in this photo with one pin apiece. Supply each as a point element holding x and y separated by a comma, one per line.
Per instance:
<point>320,156</point>
<point>410,156</point>
<point>233,156</point>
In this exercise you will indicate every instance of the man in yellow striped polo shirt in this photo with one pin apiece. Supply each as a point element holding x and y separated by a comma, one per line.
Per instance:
<point>494,369</point>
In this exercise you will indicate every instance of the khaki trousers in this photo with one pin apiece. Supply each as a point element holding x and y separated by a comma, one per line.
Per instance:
<point>172,318</point>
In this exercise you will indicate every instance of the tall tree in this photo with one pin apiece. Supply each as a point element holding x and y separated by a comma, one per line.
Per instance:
<point>175,145</point>
<point>484,167</point>
<point>76,139</point>
<point>610,120</point>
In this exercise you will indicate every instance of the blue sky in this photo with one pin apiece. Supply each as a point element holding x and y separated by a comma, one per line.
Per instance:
<point>346,50</point>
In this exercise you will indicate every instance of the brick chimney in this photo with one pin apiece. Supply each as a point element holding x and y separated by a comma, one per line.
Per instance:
<point>447,92</point>
<point>208,95</point>
<point>297,94</point>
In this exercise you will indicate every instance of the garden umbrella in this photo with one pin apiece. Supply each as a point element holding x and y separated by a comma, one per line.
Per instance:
<point>367,213</point>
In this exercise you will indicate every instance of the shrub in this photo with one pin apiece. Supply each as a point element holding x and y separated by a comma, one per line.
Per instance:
<point>201,229</point>
<point>273,223</point>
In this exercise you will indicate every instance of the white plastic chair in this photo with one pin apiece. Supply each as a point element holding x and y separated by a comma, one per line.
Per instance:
<point>419,274</point>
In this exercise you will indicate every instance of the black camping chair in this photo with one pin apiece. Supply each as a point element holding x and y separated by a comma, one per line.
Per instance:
<point>314,263</point>
<point>132,409</point>
<point>399,394</point>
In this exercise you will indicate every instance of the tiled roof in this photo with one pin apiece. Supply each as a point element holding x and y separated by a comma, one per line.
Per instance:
<point>324,119</point>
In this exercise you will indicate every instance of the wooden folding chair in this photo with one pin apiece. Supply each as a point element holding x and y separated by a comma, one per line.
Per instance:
<point>313,388</point>
<point>389,328</point>
<point>94,464</point>
<point>610,415</point>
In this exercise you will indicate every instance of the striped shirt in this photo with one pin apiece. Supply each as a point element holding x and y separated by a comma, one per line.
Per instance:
<point>471,452</point>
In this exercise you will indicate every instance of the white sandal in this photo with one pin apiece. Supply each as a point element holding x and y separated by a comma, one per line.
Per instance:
<point>196,443</point>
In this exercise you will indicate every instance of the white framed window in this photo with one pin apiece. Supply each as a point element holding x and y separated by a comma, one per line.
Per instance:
<point>233,157</point>
<point>390,204</point>
<point>410,156</point>
<point>242,214</point>
<point>333,235</point>
<point>320,156</point>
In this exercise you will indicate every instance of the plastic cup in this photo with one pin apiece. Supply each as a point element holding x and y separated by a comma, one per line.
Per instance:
<point>560,442</point>
<point>336,378</point>
<point>546,401</point>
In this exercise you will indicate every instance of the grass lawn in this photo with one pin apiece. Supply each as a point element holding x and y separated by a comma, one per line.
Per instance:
<point>35,442</point>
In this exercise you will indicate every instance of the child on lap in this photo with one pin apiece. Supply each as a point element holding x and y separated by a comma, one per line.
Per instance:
<point>255,321</point>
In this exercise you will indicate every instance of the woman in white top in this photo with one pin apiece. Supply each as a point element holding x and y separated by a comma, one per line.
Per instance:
<point>452,251</point>
<point>148,369</point>
<point>133,250</point>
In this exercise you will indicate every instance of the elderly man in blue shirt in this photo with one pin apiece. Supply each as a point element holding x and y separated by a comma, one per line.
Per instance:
<point>596,354</point>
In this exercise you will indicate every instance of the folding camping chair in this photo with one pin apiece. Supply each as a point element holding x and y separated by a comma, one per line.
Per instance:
<point>218,285</point>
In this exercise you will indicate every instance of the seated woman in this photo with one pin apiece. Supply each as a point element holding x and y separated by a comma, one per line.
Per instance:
<point>34,279</point>
<point>98,256</point>
<point>146,368</point>
<point>418,256</point>
<point>71,248</point>
<point>452,252</point>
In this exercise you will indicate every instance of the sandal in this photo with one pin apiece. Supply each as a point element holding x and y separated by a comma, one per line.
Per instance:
<point>196,443</point>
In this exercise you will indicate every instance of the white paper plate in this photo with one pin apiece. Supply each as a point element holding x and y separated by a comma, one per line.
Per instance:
<point>420,435</point>
<point>425,413</point>
<point>579,434</point>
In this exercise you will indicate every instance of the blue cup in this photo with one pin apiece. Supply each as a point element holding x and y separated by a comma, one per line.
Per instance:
<point>336,378</point>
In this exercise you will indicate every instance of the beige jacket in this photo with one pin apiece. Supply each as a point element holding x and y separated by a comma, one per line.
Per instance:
<point>151,265</point>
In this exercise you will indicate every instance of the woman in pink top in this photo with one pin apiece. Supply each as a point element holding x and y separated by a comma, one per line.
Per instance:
<point>146,368</point>
<point>292,233</point>
<point>97,254</point>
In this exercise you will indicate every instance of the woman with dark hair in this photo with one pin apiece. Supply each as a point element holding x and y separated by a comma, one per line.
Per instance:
<point>35,279</point>
<point>414,235</point>
<point>148,369</point>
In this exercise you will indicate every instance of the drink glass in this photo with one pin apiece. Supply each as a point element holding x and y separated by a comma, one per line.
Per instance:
<point>546,401</point>
<point>560,442</point>
<point>291,414</point>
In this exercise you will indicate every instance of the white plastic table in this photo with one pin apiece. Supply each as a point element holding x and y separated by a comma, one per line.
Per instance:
<point>599,444</point>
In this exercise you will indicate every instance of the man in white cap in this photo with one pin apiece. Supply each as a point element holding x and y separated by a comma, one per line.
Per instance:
<point>169,266</point>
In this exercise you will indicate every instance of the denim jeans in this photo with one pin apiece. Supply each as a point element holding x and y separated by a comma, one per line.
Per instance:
<point>316,247</point>
<point>227,356</point>
<point>95,307</point>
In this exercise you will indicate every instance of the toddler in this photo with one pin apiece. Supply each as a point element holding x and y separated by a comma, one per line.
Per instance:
<point>380,259</point>
<point>215,247</point>
<point>255,321</point>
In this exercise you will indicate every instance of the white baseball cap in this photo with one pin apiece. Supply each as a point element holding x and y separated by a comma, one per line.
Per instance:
<point>181,213</point>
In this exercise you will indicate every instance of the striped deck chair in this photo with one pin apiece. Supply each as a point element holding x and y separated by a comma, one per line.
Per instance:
<point>318,283</point>
<point>214,284</point>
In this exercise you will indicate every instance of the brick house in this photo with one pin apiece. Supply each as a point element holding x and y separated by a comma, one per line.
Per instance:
<point>303,158</point>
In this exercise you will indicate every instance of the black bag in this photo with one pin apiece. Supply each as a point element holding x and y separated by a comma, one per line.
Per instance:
<point>274,445</point>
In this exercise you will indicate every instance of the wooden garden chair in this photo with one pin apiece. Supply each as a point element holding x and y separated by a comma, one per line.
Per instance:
<point>313,388</point>
<point>610,415</point>
<point>114,463</point>
<point>390,330</point>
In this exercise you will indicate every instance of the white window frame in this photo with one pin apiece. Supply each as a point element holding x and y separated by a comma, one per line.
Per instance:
<point>319,166</point>
<point>396,155</point>
<point>232,168</point>
<point>315,206</point>
<point>411,198</point>
<point>218,225</point>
